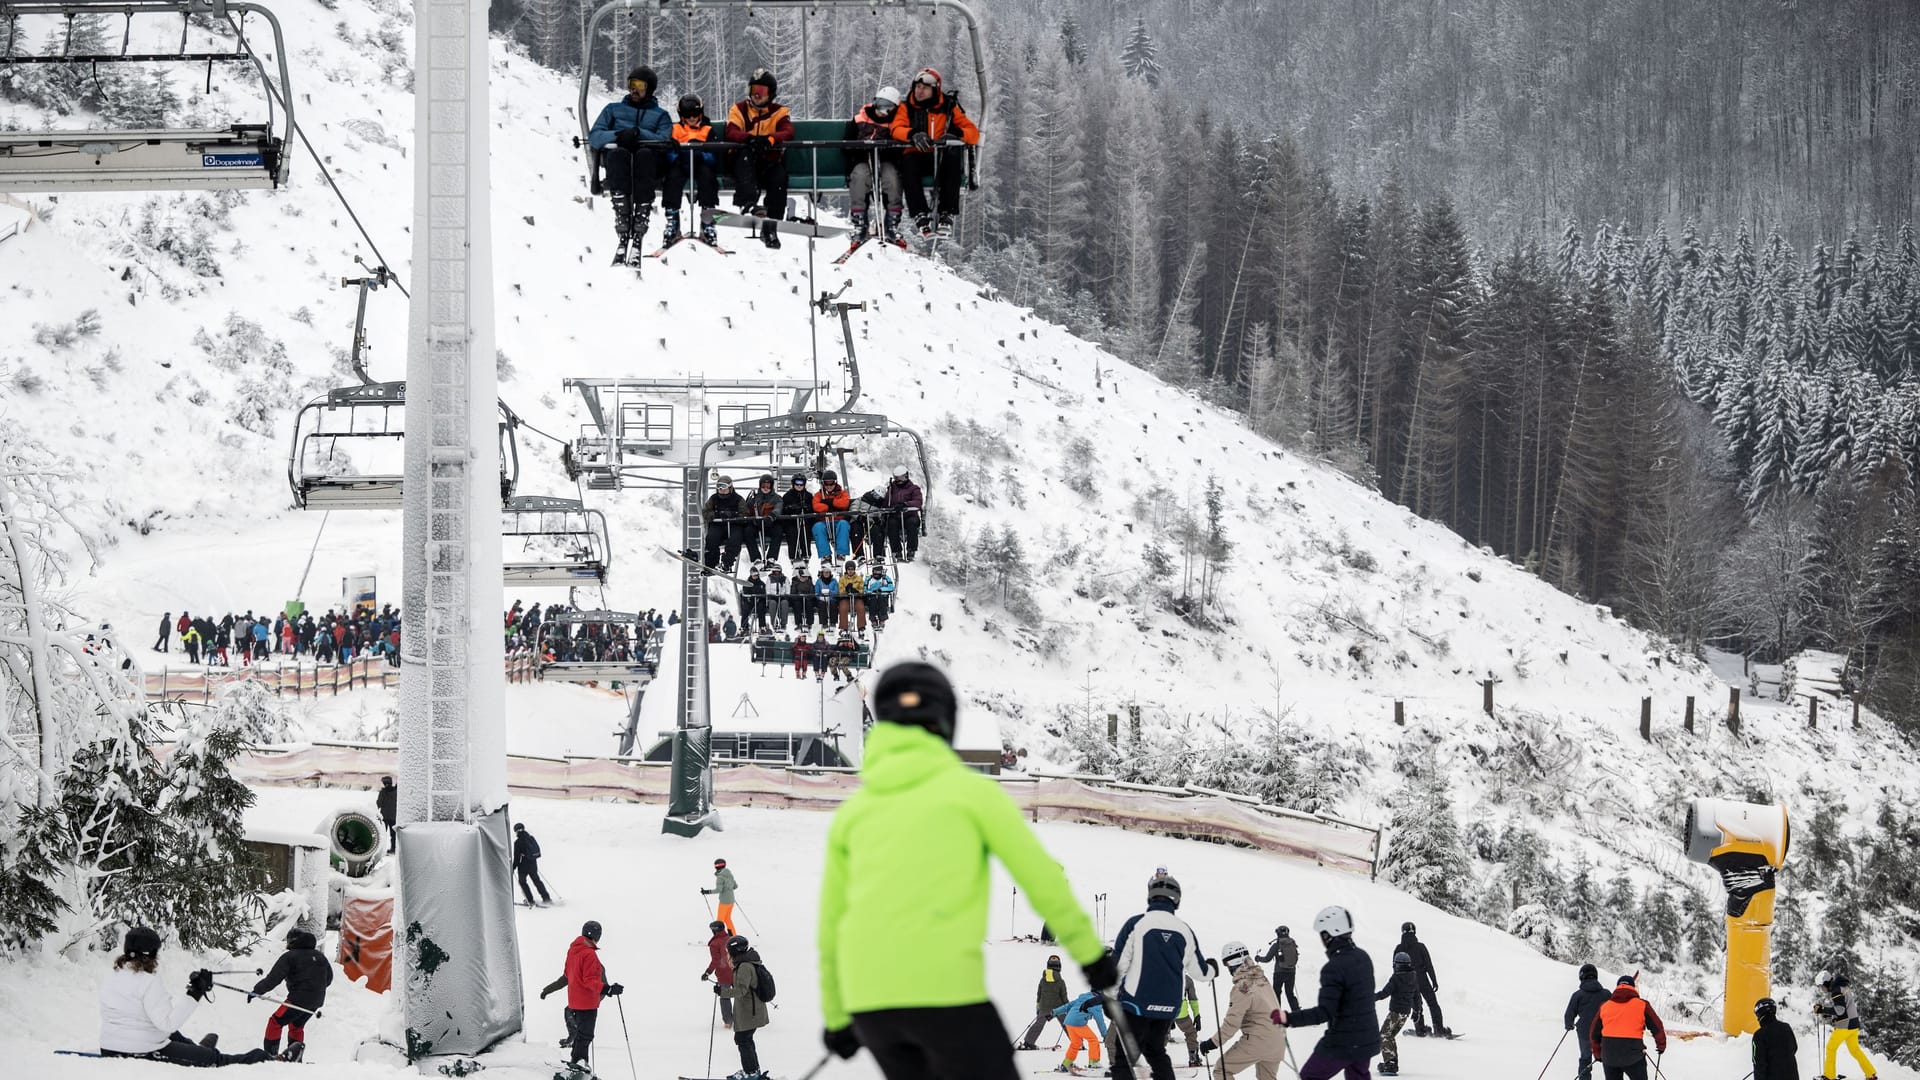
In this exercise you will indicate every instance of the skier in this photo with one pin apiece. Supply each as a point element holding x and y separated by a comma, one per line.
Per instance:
<point>1253,1013</point>
<point>1774,1047</point>
<point>587,985</point>
<point>166,628</point>
<point>763,506</point>
<point>874,123</point>
<point>1075,1016</point>
<point>904,503</point>
<point>1619,1029</point>
<point>1157,952</point>
<point>750,1011</point>
<point>703,165</point>
<point>753,601</point>
<point>307,973</point>
<point>1285,954</point>
<point>1401,993</point>
<point>1429,983</point>
<point>762,124</point>
<point>1843,1012</point>
<point>1189,1024</point>
<point>907,863</point>
<point>526,864</point>
<point>138,1018</point>
<point>802,653</point>
<point>786,527</point>
<point>720,968</point>
<point>1345,1004</point>
<point>800,595</point>
<point>632,169</point>
<point>722,515</point>
<point>388,802</point>
<point>930,116</point>
<point>879,596</point>
<point>831,500</point>
<point>1582,1007</point>
<point>1051,994</point>
<point>723,884</point>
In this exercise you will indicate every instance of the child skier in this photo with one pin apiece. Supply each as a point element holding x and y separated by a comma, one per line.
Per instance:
<point>1050,996</point>
<point>1075,1015</point>
<point>1253,1013</point>
<point>307,973</point>
<point>1400,994</point>
<point>724,885</point>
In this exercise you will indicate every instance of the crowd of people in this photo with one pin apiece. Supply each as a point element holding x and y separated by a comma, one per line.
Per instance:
<point>644,150</point>
<point>827,522</point>
<point>560,640</point>
<point>244,639</point>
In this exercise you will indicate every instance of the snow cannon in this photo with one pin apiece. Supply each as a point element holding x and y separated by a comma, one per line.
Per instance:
<point>1746,843</point>
<point>358,841</point>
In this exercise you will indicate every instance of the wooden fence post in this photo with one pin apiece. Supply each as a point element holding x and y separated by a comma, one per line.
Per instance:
<point>1689,720</point>
<point>1400,713</point>
<point>1856,713</point>
<point>1486,696</point>
<point>1113,729</point>
<point>1646,718</point>
<point>1813,712</point>
<point>1733,709</point>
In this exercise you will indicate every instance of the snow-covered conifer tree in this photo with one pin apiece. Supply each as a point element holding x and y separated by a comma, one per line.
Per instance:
<point>1425,854</point>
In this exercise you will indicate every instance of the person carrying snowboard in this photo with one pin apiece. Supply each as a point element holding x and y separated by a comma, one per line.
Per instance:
<point>1157,952</point>
<point>1285,954</point>
<point>139,1019</point>
<point>720,968</point>
<point>906,867</point>
<point>633,170</point>
<point>1619,1032</point>
<point>702,165</point>
<point>1838,1007</point>
<point>1775,1050</point>
<point>1582,1007</point>
<point>1344,1004</point>
<point>1429,983</point>
<point>874,123</point>
<point>1400,994</point>
<point>307,973</point>
<point>750,991</point>
<point>1051,994</point>
<point>723,886</point>
<point>587,986</point>
<point>1079,1017</point>
<point>1253,1013</point>
<point>929,117</point>
<point>761,125</point>
<point>526,864</point>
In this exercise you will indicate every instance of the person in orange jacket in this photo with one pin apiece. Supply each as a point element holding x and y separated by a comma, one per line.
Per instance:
<point>694,127</point>
<point>761,125</point>
<point>930,117</point>
<point>1619,1031</point>
<point>832,499</point>
<point>586,985</point>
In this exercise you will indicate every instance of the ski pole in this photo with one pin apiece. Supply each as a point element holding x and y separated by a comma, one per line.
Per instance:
<point>713,1021</point>
<point>1115,1012</point>
<point>709,903</point>
<point>238,971</point>
<point>818,1066</point>
<point>1214,989</point>
<point>743,914</point>
<point>632,1070</point>
<point>282,1002</point>
<point>1555,1054</point>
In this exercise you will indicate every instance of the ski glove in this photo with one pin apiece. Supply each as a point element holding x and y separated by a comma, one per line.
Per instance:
<point>922,141</point>
<point>706,892</point>
<point>613,990</point>
<point>200,984</point>
<point>1208,1046</point>
<point>718,991</point>
<point>627,138</point>
<point>845,1042</point>
<point>1103,974</point>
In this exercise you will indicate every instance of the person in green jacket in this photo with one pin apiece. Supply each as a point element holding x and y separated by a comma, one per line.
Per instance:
<point>723,884</point>
<point>1051,995</point>
<point>906,878</point>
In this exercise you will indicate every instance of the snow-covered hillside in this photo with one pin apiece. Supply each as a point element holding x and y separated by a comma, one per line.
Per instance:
<point>212,316</point>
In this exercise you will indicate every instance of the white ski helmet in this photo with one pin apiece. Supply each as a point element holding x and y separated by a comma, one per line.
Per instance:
<point>1333,922</point>
<point>1234,955</point>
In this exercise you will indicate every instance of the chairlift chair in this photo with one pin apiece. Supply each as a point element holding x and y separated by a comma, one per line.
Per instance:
<point>562,542</point>
<point>158,159</point>
<point>638,667</point>
<point>368,420</point>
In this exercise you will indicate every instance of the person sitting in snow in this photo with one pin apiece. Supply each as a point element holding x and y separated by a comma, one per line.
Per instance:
<point>139,1019</point>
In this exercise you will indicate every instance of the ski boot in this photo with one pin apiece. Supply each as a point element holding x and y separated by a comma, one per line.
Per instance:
<point>944,227</point>
<point>271,1046</point>
<point>672,234</point>
<point>1389,1070</point>
<point>1193,1061</point>
<point>295,1051</point>
<point>861,231</point>
<point>622,228</point>
<point>211,1040</point>
<point>639,228</point>
<point>923,223</point>
<point>709,235</point>
<point>891,228</point>
<point>770,235</point>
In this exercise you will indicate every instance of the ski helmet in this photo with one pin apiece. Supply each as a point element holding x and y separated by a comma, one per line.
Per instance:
<point>900,473</point>
<point>1402,962</point>
<point>1333,922</point>
<point>590,930</point>
<point>716,926</point>
<point>918,694</point>
<point>518,827</point>
<point>1588,971</point>
<point>800,479</point>
<point>766,478</point>
<point>930,77</point>
<point>1280,931</point>
<point>1764,1008</point>
<point>1054,961</point>
<point>724,482</point>
<point>829,475</point>
<point>1164,887</point>
<point>1626,980</point>
<point>763,77</point>
<point>643,74</point>
<point>300,939</point>
<point>691,105</point>
<point>1234,955</point>
<point>1825,978</point>
<point>719,864</point>
<point>142,941</point>
<point>1406,928</point>
<point>736,945</point>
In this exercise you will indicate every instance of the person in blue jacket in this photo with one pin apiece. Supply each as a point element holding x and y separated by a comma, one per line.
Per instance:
<point>632,168</point>
<point>1157,952</point>
<point>1080,1016</point>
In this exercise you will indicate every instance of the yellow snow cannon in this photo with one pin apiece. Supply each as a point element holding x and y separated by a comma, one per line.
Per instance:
<point>1746,843</point>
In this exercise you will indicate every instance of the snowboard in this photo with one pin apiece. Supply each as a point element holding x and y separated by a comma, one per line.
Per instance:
<point>790,228</point>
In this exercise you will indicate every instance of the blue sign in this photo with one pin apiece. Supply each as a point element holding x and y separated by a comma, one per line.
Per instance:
<point>232,161</point>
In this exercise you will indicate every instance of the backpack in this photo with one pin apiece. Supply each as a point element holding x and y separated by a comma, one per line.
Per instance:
<point>763,987</point>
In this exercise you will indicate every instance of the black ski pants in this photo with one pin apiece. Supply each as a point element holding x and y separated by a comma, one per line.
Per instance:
<point>530,868</point>
<point>1151,1036</point>
<point>182,1051</point>
<point>903,533</point>
<point>727,532</point>
<point>946,176</point>
<point>581,1023</point>
<point>753,174</point>
<point>962,1042</point>
<point>783,531</point>
<point>706,181</point>
<point>631,177</point>
<point>1585,1069</point>
<point>1433,1006</point>
<point>749,1054</point>
<point>1635,1071</point>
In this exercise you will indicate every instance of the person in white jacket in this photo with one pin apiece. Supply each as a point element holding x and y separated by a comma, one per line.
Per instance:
<point>138,1018</point>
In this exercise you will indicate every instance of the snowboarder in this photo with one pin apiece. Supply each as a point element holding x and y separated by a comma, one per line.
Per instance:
<point>1345,1004</point>
<point>633,170</point>
<point>587,985</point>
<point>1619,1030</point>
<point>526,864</point>
<point>138,1018</point>
<point>1189,1024</point>
<point>720,968</point>
<point>388,802</point>
<point>702,165</point>
<point>932,115</point>
<point>831,500</point>
<point>1253,1013</point>
<point>723,884</point>
<point>1582,1007</point>
<point>923,825</point>
<point>750,1009</point>
<point>1400,994</point>
<point>1429,983</point>
<point>904,503</point>
<point>1774,1047</point>
<point>1843,1012</point>
<point>166,628</point>
<point>1157,952</point>
<point>307,973</point>
<point>874,123</point>
<point>1079,1017</point>
<point>1285,954</point>
<point>761,124</point>
<point>1051,994</point>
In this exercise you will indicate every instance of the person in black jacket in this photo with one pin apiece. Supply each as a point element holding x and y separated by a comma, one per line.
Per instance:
<point>307,973</point>
<point>725,517</point>
<point>1285,954</point>
<point>166,629</point>
<point>790,526</point>
<point>1403,988</point>
<point>1774,1046</point>
<point>1582,1007</point>
<point>1429,983</point>
<point>389,803</point>
<point>526,864</point>
<point>1345,1004</point>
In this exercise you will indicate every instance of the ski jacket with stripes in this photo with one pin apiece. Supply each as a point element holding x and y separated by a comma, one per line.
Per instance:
<point>1840,1009</point>
<point>1157,952</point>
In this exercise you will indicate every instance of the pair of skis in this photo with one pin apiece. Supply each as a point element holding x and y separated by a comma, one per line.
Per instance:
<point>858,244</point>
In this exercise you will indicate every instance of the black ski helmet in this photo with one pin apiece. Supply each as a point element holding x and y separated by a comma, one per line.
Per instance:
<point>519,827</point>
<point>643,74</point>
<point>691,105</point>
<point>736,945</point>
<point>763,77</point>
<point>1588,971</point>
<point>1163,887</point>
<point>590,930</point>
<point>1406,928</point>
<point>1626,980</point>
<point>300,939</point>
<point>919,694</point>
<point>142,941</point>
<point>800,479</point>
<point>1280,932</point>
<point>716,926</point>
<point>1764,1008</point>
<point>1054,962</point>
<point>1402,962</point>
<point>829,475</point>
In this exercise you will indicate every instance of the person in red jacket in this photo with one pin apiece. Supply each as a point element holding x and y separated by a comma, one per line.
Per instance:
<point>720,968</point>
<point>761,124</point>
<point>586,985</point>
<point>930,117</point>
<point>1619,1032</point>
